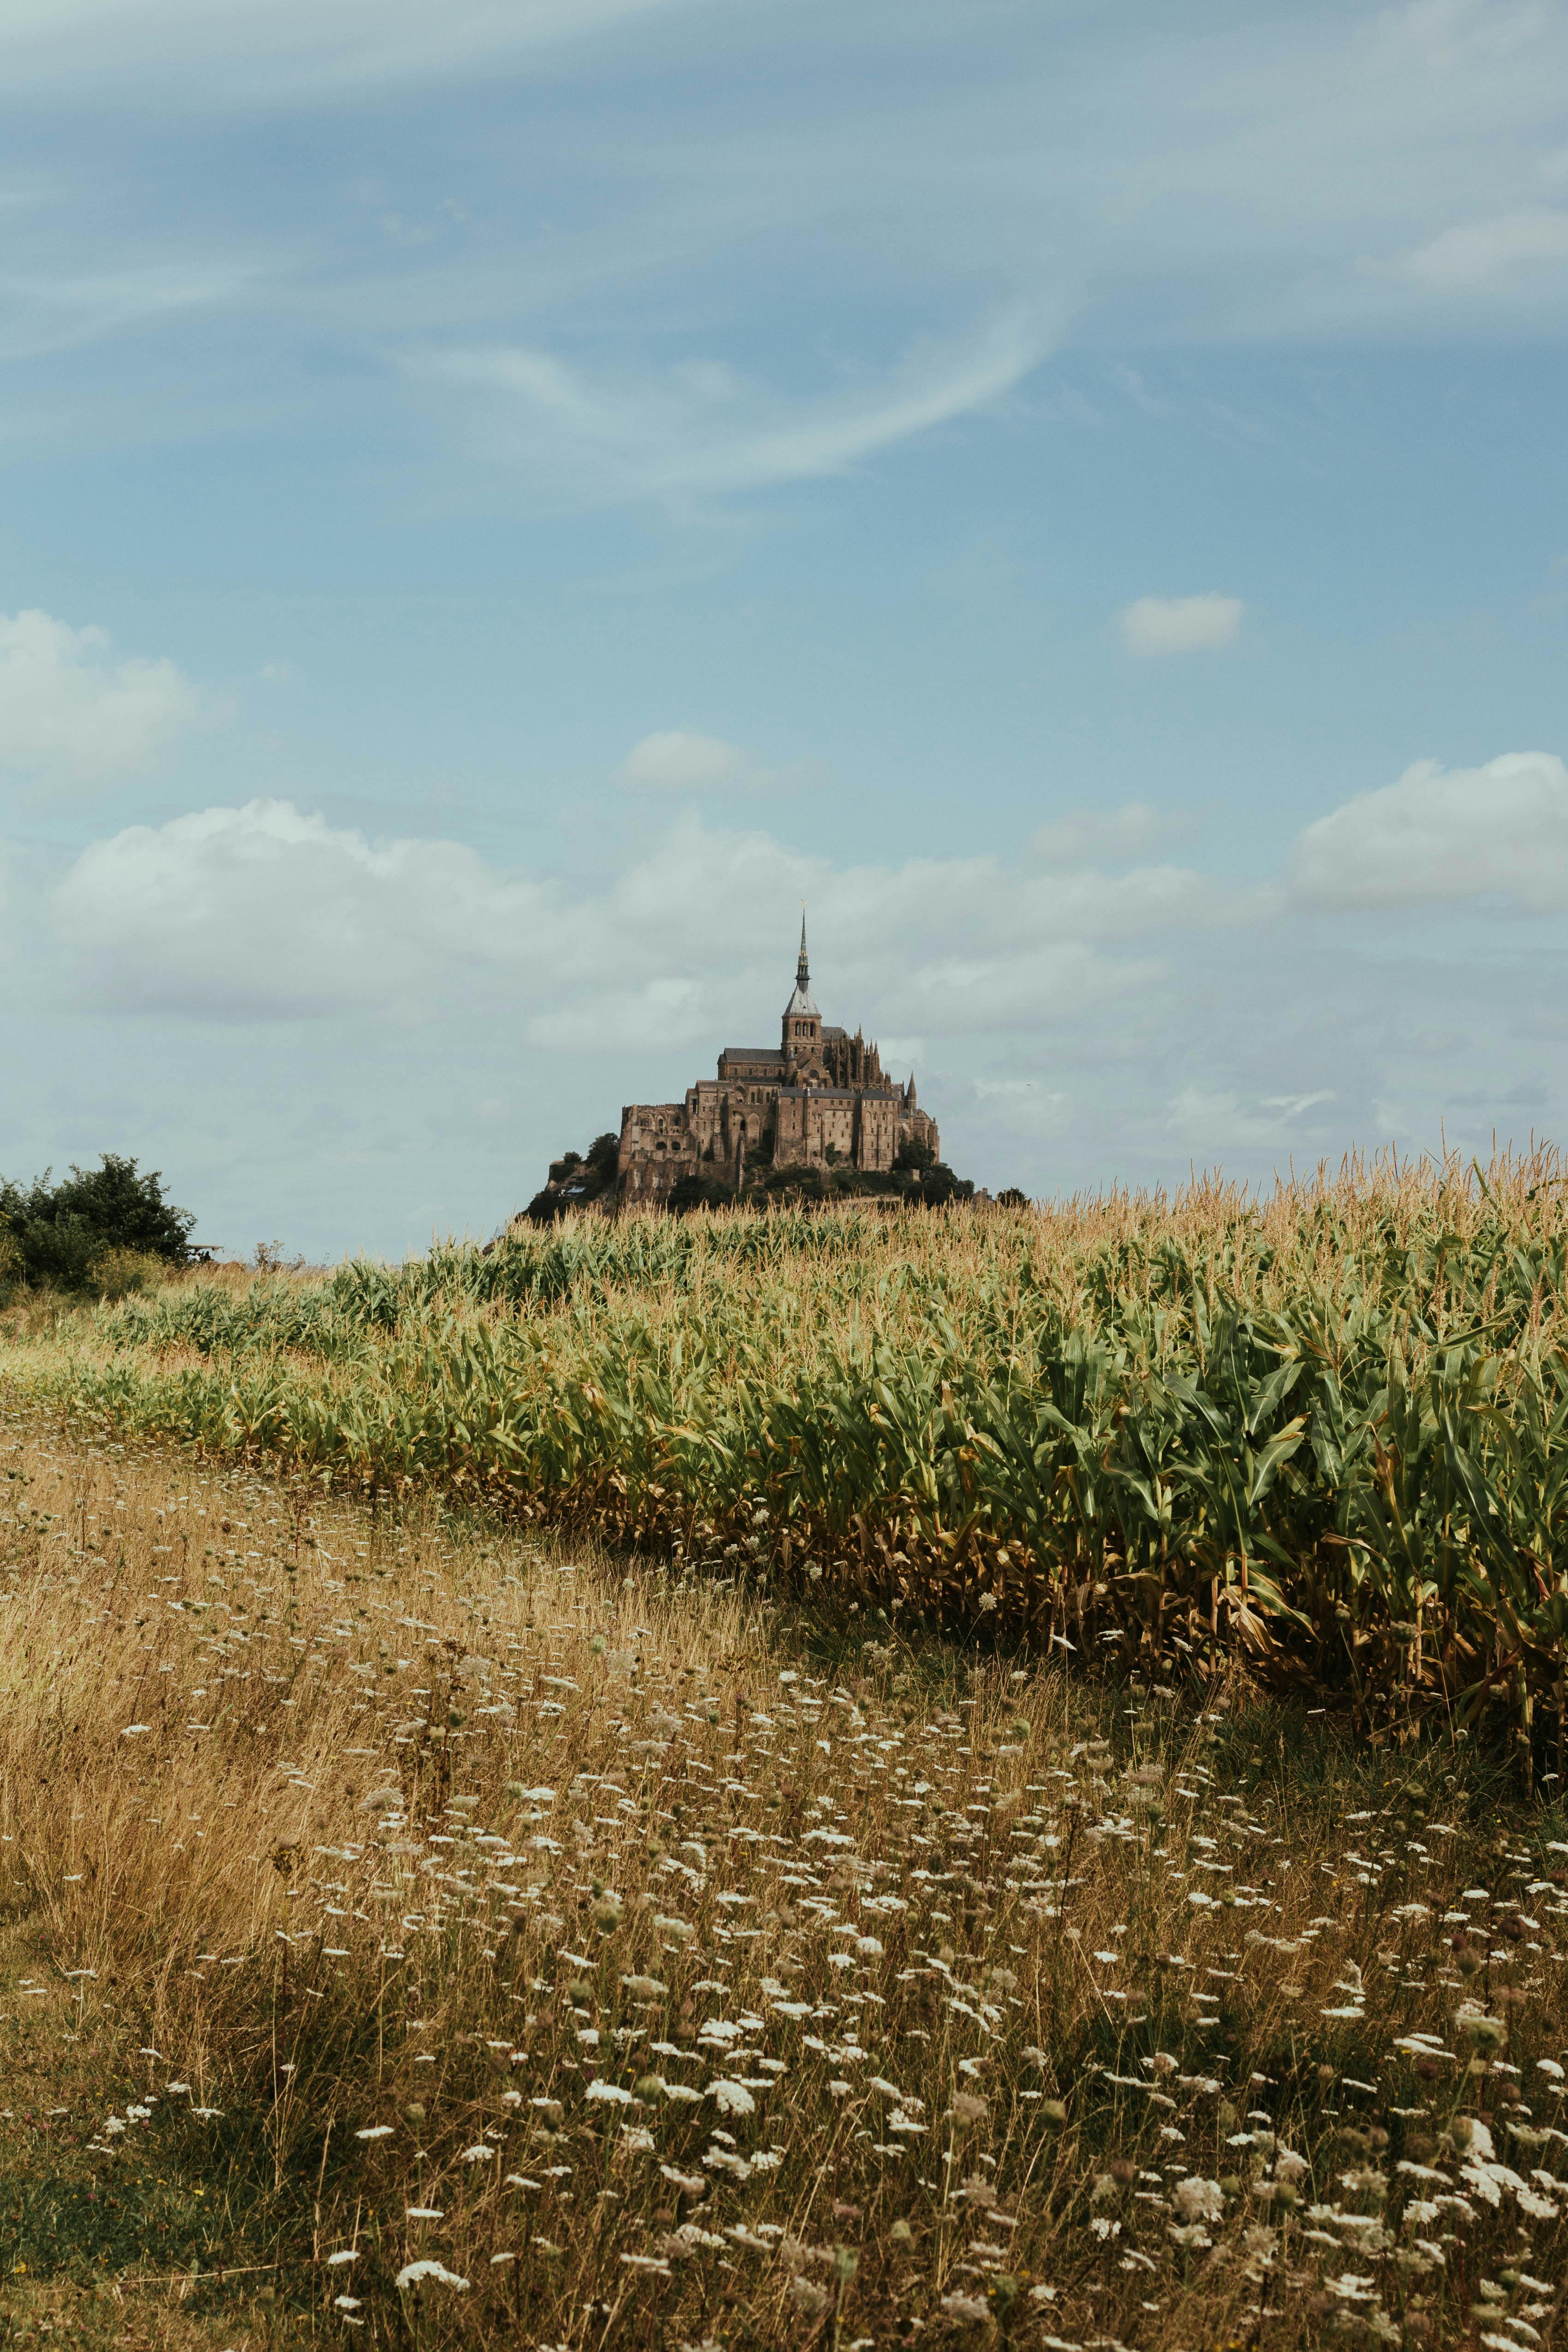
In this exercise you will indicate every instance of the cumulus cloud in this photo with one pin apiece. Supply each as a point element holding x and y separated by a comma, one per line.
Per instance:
<point>1111,836</point>
<point>262,913</point>
<point>680,759</point>
<point>1444,835</point>
<point>266,913</point>
<point>73,718</point>
<point>1181,625</point>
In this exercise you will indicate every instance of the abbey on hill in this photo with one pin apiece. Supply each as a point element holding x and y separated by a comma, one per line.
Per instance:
<point>818,1100</point>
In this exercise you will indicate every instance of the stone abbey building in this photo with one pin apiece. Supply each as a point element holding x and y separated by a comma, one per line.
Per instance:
<point>818,1100</point>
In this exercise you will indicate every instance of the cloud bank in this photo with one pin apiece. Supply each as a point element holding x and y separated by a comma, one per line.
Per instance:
<point>266,913</point>
<point>1083,1014</point>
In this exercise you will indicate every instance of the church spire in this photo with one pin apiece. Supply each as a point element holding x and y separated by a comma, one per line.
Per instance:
<point>803,1023</point>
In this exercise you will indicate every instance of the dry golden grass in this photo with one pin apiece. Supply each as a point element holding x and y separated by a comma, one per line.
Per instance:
<point>671,1971</point>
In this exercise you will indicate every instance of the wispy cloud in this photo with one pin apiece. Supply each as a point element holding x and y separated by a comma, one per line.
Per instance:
<point>43,312</point>
<point>261,52</point>
<point>1480,256</point>
<point>805,261</point>
<point>700,428</point>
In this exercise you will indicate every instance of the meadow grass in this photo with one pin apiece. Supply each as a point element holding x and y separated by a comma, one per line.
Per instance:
<point>420,1928</point>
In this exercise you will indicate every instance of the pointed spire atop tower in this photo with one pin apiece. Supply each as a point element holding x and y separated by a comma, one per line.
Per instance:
<point>803,1023</point>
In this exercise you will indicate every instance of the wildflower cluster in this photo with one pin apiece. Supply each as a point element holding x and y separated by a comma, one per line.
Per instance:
<point>592,1940</point>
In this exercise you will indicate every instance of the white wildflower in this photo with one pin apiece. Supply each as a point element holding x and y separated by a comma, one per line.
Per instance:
<point>1197,2200</point>
<point>414,2273</point>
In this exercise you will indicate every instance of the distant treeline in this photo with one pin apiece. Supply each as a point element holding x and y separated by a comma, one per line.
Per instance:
<point>916,1179</point>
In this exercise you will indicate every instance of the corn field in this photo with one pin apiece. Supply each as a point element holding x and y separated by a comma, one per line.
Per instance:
<point>1325,1431</point>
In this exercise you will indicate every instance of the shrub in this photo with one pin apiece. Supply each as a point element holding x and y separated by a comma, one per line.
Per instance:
<point>117,1273</point>
<point>56,1233</point>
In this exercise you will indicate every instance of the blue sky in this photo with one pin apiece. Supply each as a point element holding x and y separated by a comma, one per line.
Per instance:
<point>498,503</point>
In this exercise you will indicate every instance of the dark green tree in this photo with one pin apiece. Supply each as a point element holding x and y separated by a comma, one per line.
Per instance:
<point>911,1157</point>
<point>937,1186</point>
<point>688,1192</point>
<point>58,1230</point>
<point>574,1180</point>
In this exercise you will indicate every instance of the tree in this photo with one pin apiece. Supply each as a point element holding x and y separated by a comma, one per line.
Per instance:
<point>938,1185</point>
<point>912,1156</point>
<point>688,1192</point>
<point>799,1186</point>
<point>603,1160</point>
<point>575,1182</point>
<point>1012,1198</point>
<point>59,1232</point>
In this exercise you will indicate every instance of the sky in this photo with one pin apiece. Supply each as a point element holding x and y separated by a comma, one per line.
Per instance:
<point>499,503</point>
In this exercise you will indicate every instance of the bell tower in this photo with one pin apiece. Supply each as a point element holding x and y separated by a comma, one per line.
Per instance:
<point>802,1021</point>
